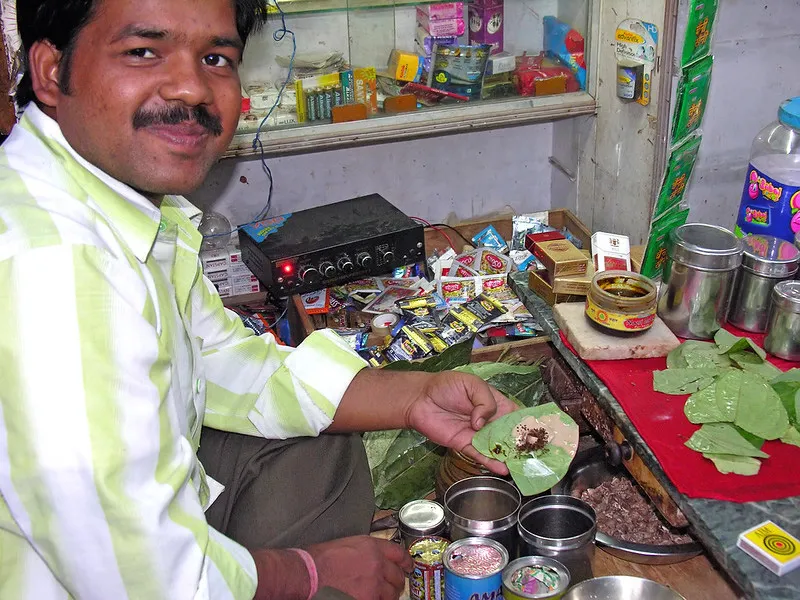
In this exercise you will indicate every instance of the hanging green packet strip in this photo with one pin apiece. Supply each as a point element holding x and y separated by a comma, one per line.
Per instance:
<point>655,256</point>
<point>697,43</point>
<point>679,170</point>
<point>691,99</point>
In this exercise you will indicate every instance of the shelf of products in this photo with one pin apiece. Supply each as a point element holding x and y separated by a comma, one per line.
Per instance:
<point>367,71</point>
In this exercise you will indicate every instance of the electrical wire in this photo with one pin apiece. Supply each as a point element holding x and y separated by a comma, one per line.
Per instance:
<point>437,229</point>
<point>454,230</point>
<point>278,35</point>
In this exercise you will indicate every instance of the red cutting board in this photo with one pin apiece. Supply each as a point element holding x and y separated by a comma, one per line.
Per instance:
<point>660,421</point>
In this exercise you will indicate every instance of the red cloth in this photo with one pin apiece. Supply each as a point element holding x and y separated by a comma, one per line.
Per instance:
<point>660,421</point>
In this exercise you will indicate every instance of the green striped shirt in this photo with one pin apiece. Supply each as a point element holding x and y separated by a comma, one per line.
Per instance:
<point>114,351</point>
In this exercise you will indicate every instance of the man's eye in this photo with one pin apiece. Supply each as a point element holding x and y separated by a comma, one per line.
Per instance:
<point>216,60</point>
<point>141,53</point>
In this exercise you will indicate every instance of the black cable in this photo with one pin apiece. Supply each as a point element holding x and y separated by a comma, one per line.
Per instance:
<point>453,229</point>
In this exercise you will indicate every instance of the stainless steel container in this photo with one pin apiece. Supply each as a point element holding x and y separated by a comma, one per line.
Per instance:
<point>783,331</point>
<point>483,507</point>
<point>419,519</point>
<point>617,587</point>
<point>559,527</point>
<point>698,279</point>
<point>766,261</point>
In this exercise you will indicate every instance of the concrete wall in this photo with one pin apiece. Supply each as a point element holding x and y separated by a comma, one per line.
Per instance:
<point>756,66</point>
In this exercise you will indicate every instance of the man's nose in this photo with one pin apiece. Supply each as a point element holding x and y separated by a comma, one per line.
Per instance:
<point>186,81</point>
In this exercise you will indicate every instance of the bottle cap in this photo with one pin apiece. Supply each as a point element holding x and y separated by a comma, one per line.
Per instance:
<point>789,112</point>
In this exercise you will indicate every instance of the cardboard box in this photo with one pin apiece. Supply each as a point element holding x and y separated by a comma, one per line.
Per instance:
<point>611,252</point>
<point>218,277</point>
<point>486,24</point>
<point>405,66</point>
<point>538,284</point>
<point>560,258</point>
<point>576,285</point>
<point>443,10</point>
<point>499,63</point>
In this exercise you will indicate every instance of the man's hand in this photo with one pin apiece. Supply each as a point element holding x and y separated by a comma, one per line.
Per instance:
<point>452,406</point>
<point>366,568</point>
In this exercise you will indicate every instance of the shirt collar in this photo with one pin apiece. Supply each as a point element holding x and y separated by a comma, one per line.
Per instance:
<point>135,218</point>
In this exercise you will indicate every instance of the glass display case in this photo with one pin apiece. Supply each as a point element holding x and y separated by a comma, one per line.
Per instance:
<point>410,69</point>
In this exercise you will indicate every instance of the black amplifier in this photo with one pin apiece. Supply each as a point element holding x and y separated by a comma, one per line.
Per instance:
<point>331,245</point>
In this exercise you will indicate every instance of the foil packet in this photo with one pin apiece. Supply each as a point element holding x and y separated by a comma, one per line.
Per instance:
<point>522,225</point>
<point>490,238</point>
<point>478,312</point>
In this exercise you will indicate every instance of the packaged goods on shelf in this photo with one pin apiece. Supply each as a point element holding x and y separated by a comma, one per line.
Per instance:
<point>441,27</point>
<point>444,10</point>
<point>486,23</point>
<point>459,69</point>
<point>405,66</point>
<point>611,252</point>
<point>566,44</point>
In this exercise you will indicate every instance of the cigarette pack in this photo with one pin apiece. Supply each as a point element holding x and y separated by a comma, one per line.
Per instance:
<point>576,285</point>
<point>531,239</point>
<point>611,252</point>
<point>561,257</point>
<point>772,546</point>
<point>538,283</point>
<point>215,260</point>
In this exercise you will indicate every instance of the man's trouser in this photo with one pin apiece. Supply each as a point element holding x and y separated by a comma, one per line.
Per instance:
<point>288,493</point>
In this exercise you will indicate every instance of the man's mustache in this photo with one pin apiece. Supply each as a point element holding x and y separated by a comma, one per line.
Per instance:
<point>175,115</point>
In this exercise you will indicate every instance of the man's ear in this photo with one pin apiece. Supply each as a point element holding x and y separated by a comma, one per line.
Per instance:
<point>43,63</point>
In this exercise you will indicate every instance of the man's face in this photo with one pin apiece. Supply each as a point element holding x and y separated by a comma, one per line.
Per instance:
<point>154,94</point>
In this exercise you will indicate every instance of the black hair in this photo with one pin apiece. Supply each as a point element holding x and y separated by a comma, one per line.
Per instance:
<point>61,21</point>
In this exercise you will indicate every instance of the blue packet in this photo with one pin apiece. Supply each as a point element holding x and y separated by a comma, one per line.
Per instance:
<point>490,238</point>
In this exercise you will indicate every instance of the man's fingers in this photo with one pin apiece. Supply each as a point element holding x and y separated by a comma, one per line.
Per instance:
<point>397,554</point>
<point>483,402</point>
<point>495,466</point>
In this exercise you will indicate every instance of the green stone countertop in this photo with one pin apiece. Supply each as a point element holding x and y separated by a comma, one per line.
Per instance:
<point>716,524</point>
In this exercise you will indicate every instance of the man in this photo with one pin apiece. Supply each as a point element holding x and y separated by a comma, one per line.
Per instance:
<point>115,351</point>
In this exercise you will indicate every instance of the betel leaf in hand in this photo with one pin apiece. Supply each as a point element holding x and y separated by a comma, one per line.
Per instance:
<point>730,463</point>
<point>684,381</point>
<point>533,470</point>
<point>722,438</point>
<point>520,382</point>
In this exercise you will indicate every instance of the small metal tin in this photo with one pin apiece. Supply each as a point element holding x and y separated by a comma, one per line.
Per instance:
<point>766,261</point>
<point>419,519</point>
<point>783,332</point>
<point>473,568</point>
<point>706,247</point>
<point>517,575</point>
<point>426,581</point>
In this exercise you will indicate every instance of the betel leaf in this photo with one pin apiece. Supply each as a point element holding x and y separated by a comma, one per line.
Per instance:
<point>684,381</point>
<point>522,382</point>
<point>729,343</point>
<point>722,438</point>
<point>728,391</point>
<point>675,358</point>
<point>754,364</point>
<point>455,356</point>
<point>730,463</point>
<point>790,376</point>
<point>792,436</point>
<point>701,407</point>
<point>789,393</point>
<point>377,444</point>
<point>538,473</point>
<point>702,355</point>
<point>760,410</point>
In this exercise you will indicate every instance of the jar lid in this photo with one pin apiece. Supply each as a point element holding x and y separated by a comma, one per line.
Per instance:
<point>786,296</point>
<point>706,247</point>
<point>770,256</point>
<point>421,515</point>
<point>789,112</point>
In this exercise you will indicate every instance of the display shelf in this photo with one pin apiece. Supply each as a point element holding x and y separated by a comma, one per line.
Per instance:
<point>426,122</point>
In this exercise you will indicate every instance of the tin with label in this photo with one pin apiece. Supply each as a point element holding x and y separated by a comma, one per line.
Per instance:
<point>426,581</point>
<point>473,568</point>
<point>419,518</point>
<point>535,578</point>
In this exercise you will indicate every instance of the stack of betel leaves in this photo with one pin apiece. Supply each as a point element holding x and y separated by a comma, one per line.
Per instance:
<point>739,399</point>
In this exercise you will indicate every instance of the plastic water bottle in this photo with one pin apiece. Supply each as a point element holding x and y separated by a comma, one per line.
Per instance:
<point>771,197</point>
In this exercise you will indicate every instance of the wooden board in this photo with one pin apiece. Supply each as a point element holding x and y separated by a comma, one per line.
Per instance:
<point>592,344</point>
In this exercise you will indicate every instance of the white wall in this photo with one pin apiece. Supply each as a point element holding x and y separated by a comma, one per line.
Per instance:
<point>756,65</point>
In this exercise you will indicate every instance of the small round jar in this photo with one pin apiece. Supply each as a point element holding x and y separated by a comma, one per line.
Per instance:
<point>419,519</point>
<point>535,578</point>
<point>622,301</point>
<point>783,331</point>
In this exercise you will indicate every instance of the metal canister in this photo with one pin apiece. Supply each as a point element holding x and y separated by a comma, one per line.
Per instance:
<point>426,581</point>
<point>559,527</point>
<point>535,578</point>
<point>484,507</point>
<point>698,279</point>
<point>419,519</point>
<point>783,330</point>
<point>766,261</point>
<point>473,568</point>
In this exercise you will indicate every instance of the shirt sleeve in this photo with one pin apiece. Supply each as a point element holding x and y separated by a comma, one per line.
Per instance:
<point>258,387</point>
<point>95,476</point>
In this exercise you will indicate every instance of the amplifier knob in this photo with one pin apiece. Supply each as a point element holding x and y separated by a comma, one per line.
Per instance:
<point>327,269</point>
<point>388,256</point>
<point>364,260</point>
<point>345,264</point>
<point>309,275</point>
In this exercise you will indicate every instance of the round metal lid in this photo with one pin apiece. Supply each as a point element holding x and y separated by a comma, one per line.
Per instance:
<point>786,296</point>
<point>770,256</point>
<point>707,247</point>
<point>421,515</point>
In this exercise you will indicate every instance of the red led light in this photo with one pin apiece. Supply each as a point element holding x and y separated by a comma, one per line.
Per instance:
<point>287,269</point>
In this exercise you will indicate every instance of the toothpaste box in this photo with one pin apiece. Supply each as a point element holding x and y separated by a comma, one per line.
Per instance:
<point>440,27</point>
<point>444,10</point>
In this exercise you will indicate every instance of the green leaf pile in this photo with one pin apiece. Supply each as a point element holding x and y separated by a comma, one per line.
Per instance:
<point>737,397</point>
<point>533,471</point>
<point>403,463</point>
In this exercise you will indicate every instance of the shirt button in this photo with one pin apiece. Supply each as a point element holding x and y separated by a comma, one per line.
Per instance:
<point>198,385</point>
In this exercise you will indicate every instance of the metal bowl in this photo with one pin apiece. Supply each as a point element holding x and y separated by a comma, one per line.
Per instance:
<point>620,587</point>
<point>590,469</point>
